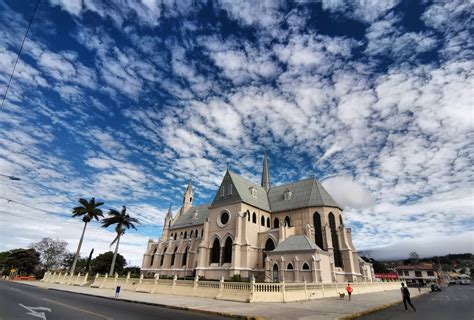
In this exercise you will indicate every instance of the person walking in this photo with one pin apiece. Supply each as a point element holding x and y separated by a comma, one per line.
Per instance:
<point>349,290</point>
<point>406,297</point>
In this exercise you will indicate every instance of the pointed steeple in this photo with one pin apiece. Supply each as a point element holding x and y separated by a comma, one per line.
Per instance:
<point>266,184</point>
<point>169,215</point>
<point>189,188</point>
<point>188,197</point>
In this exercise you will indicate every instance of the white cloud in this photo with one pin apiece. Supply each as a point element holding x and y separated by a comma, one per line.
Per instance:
<point>348,193</point>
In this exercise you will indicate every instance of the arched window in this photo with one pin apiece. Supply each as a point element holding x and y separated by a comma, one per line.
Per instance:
<point>185,257</point>
<point>215,251</point>
<point>171,236</point>
<point>175,235</point>
<point>262,221</point>
<point>248,215</point>
<point>287,221</point>
<point>305,266</point>
<point>229,189</point>
<point>269,246</point>
<point>185,234</point>
<point>318,232</point>
<point>196,233</point>
<point>276,223</point>
<point>153,257</point>
<point>222,191</point>
<point>275,275</point>
<point>181,235</point>
<point>289,267</point>
<point>340,219</point>
<point>335,241</point>
<point>163,256</point>
<point>254,217</point>
<point>268,222</point>
<point>173,256</point>
<point>227,251</point>
<point>202,233</point>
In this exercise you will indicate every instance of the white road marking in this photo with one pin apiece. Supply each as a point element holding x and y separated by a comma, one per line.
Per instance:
<point>36,311</point>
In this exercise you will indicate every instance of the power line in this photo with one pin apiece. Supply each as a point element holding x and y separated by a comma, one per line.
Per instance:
<point>18,54</point>
<point>35,208</point>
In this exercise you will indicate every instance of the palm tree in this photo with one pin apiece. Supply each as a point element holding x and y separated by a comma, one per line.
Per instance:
<point>88,210</point>
<point>123,222</point>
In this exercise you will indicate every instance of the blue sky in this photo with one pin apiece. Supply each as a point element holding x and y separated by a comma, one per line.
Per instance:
<point>128,100</point>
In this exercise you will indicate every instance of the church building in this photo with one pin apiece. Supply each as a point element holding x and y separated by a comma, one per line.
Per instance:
<point>292,232</point>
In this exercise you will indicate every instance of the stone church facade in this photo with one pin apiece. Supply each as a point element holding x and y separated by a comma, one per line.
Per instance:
<point>292,232</point>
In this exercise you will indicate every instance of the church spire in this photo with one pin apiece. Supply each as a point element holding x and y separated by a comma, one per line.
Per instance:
<point>265,173</point>
<point>188,197</point>
<point>169,215</point>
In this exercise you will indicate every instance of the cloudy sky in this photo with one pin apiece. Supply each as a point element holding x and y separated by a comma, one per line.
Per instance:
<point>128,100</point>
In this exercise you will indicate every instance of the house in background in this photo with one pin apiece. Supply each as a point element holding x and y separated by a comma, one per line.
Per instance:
<point>418,275</point>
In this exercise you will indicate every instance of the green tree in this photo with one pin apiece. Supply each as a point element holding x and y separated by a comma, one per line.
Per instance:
<point>101,263</point>
<point>88,210</point>
<point>25,261</point>
<point>68,261</point>
<point>51,252</point>
<point>122,222</point>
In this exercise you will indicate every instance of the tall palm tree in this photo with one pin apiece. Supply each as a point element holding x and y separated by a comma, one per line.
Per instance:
<point>123,221</point>
<point>88,210</point>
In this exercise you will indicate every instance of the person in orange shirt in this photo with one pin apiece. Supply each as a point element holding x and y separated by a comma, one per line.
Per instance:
<point>349,290</point>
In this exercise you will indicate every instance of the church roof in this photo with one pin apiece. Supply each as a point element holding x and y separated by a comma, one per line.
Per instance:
<point>241,192</point>
<point>304,193</point>
<point>296,243</point>
<point>187,219</point>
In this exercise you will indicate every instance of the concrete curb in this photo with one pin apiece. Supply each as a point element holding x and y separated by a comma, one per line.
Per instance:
<point>375,309</point>
<point>216,313</point>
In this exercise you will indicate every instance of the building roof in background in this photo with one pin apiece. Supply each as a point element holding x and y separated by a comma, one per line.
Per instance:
<point>424,266</point>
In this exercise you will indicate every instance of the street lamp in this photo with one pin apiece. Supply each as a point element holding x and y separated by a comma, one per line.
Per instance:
<point>10,177</point>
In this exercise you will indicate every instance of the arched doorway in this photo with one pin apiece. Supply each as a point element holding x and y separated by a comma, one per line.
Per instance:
<point>275,275</point>
<point>276,223</point>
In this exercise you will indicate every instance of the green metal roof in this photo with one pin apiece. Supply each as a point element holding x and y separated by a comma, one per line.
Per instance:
<point>296,243</point>
<point>304,193</point>
<point>241,192</point>
<point>187,219</point>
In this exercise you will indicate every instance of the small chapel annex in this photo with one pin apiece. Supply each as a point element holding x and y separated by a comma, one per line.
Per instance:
<point>293,232</point>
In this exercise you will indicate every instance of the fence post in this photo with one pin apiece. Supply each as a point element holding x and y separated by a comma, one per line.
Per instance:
<point>85,279</point>
<point>115,279</point>
<point>305,290</point>
<point>126,280</point>
<point>283,289</point>
<point>252,284</point>
<point>105,279</point>
<point>155,283</point>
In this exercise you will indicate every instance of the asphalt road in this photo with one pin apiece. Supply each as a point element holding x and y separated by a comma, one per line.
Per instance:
<point>19,301</point>
<point>454,302</point>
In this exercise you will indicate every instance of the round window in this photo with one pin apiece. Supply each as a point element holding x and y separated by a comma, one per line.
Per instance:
<point>224,217</point>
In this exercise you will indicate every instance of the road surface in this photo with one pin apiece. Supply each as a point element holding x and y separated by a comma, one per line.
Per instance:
<point>454,302</point>
<point>19,301</point>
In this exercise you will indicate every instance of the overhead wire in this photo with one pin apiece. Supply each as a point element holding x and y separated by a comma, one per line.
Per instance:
<point>18,54</point>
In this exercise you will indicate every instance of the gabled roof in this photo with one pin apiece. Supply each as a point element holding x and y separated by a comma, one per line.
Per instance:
<point>187,219</point>
<point>241,192</point>
<point>304,193</point>
<point>296,243</point>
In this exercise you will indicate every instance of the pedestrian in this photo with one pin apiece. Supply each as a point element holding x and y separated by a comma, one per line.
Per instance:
<point>406,297</point>
<point>117,292</point>
<point>349,290</point>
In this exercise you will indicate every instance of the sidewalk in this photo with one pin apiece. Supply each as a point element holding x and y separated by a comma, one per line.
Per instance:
<point>328,308</point>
